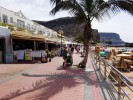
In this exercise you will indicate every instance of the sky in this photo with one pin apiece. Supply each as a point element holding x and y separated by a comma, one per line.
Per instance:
<point>121,24</point>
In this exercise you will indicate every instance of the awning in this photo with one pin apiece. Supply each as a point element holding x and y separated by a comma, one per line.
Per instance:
<point>21,35</point>
<point>50,41</point>
<point>25,35</point>
<point>38,37</point>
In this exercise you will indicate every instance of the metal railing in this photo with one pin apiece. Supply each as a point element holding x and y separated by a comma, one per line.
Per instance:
<point>116,78</point>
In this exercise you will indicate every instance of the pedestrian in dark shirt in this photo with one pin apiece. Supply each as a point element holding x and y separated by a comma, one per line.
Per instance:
<point>72,49</point>
<point>64,56</point>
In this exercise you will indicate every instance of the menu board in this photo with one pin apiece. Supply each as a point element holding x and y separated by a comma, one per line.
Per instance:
<point>20,55</point>
<point>43,54</point>
<point>27,54</point>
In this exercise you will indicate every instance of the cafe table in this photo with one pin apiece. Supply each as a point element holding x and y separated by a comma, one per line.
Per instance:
<point>127,53</point>
<point>124,55</point>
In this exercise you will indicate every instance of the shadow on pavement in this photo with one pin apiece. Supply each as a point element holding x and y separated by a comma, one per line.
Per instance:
<point>51,85</point>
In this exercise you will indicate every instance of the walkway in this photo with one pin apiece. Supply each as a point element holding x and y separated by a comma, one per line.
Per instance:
<point>48,81</point>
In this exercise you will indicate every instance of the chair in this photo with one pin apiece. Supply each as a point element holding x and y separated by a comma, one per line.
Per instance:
<point>109,56</point>
<point>122,65</point>
<point>130,65</point>
<point>115,61</point>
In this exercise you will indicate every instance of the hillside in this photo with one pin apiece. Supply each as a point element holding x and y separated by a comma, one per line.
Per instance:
<point>68,25</point>
<point>72,29</point>
<point>108,36</point>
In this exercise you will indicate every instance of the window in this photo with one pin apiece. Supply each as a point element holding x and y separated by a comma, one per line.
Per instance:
<point>11,20</point>
<point>5,19</point>
<point>32,27</point>
<point>28,26</point>
<point>20,23</point>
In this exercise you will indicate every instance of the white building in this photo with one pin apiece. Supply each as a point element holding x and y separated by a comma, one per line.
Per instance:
<point>19,20</point>
<point>37,37</point>
<point>8,45</point>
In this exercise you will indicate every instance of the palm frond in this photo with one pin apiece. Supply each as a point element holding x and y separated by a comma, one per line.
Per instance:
<point>70,5</point>
<point>55,2</point>
<point>104,10</point>
<point>86,5</point>
<point>124,5</point>
<point>89,9</point>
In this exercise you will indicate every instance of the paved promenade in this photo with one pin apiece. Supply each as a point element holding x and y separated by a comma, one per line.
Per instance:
<point>49,81</point>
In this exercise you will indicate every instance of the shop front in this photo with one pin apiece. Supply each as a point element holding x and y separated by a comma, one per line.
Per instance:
<point>26,46</point>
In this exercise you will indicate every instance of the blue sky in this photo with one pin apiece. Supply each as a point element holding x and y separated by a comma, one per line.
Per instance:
<point>39,10</point>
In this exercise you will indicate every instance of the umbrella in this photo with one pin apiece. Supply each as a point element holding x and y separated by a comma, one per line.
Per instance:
<point>109,55</point>
<point>124,55</point>
<point>127,52</point>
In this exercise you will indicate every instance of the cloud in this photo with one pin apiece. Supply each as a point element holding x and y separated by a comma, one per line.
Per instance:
<point>33,9</point>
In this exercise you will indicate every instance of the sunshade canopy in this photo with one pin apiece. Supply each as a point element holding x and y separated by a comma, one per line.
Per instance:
<point>27,36</point>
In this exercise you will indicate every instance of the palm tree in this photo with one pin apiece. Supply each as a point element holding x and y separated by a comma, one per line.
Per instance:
<point>86,10</point>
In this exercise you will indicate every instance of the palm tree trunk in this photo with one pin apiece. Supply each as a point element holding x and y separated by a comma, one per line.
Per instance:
<point>87,38</point>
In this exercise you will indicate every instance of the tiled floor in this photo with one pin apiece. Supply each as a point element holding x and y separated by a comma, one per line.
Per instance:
<point>47,81</point>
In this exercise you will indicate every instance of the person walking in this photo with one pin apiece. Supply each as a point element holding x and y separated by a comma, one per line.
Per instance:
<point>64,54</point>
<point>72,49</point>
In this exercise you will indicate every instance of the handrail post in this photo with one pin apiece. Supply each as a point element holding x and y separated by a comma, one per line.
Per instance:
<point>119,89</point>
<point>105,69</point>
<point>95,59</point>
<point>99,61</point>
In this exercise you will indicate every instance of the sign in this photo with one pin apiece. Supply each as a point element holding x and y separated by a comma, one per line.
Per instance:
<point>43,54</point>
<point>43,57</point>
<point>27,54</point>
<point>20,55</point>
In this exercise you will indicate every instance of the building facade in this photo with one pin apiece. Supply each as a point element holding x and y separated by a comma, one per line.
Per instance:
<point>19,20</point>
<point>33,35</point>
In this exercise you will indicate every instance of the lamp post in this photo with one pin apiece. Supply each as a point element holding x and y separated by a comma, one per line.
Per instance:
<point>61,33</point>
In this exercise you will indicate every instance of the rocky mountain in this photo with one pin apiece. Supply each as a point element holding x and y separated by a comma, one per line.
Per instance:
<point>68,24</point>
<point>113,37</point>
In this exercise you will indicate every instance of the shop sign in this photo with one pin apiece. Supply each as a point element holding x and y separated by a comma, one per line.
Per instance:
<point>20,55</point>
<point>27,54</point>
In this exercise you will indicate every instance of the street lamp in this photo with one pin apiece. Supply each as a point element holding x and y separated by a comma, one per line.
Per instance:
<point>61,33</point>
